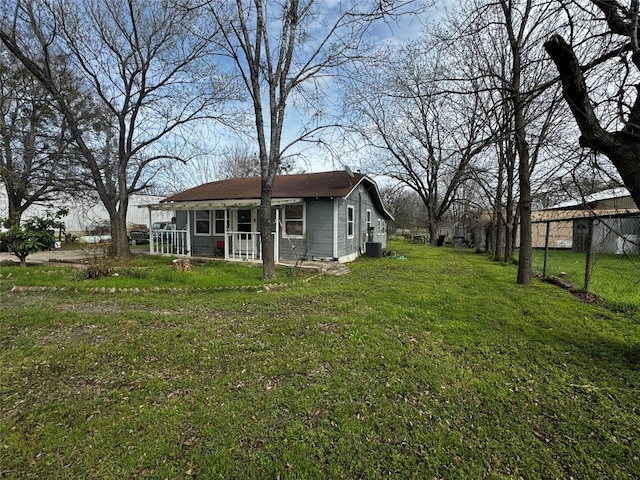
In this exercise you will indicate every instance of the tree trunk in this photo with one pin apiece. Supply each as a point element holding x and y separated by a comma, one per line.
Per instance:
<point>497,209</point>
<point>525,268</point>
<point>498,234</point>
<point>488,233</point>
<point>268,259</point>
<point>119,239</point>
<point>266,223</point>
<point>15,214</point>
<point>511,223</point>
<point>513,239</point>
<point>117,228</point>
<point>525,260</point>
<point>433,233</point>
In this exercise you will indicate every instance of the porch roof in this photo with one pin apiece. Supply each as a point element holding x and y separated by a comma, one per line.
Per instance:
<point>218,204</point>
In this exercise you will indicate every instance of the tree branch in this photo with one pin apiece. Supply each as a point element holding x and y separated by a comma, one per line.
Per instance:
<point>575,92</point>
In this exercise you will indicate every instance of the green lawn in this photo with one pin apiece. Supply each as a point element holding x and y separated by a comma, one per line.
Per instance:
<point>435,366</point>
<point>615,278</point>
<point>141,272</point>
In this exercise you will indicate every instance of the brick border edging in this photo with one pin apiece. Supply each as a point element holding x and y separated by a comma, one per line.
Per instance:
<point>257,288</point>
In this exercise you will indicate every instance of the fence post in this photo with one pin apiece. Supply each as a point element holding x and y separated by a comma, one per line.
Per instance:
<point>587,267</point>
<point>546,250</point>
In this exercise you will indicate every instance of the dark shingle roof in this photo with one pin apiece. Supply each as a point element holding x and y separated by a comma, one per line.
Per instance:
<point>306,185</point>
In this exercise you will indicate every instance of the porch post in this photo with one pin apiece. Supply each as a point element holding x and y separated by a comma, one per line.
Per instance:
<point>189,234</point>
<point>150,233</point>
<point>226,234</point>
<point>276,241</point>
<point>336,210</point>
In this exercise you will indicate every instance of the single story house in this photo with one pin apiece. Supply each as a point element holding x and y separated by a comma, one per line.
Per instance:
<point>334,216</point>
<point>603,222</point>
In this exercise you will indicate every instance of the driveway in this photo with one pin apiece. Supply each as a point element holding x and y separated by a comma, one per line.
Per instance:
<point>49,256</point>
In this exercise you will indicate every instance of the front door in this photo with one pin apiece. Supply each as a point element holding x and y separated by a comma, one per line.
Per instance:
<point>244,222</point>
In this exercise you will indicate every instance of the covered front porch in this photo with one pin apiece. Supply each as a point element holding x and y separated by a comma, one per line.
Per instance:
<point>240,246</point>
<point>224,229</point>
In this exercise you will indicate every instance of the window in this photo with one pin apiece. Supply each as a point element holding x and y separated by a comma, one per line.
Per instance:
<point>370,227</point>
<point>220,227</point>
<point>203,222</point>
<point>380,229</point>
<point>350,221</point>
<point>294,220</point>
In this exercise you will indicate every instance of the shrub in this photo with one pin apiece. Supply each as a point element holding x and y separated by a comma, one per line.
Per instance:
<point>100,264</point>
<point>34,235</point>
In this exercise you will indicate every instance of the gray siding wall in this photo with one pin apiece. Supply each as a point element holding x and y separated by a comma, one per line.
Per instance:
<point>318,241</point>
<point>200,245</point>
<point>361,200</point>
<point>181,220</point>
<point>320,227</point>
<point>342,226</point>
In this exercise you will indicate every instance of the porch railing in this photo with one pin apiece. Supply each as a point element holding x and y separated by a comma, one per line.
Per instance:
<point>247,246</point>
<point>243,246</point>
<point>239,246</point>
<point>169,242</point>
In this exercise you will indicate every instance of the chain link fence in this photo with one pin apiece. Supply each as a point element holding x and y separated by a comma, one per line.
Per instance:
<point>595,254</point>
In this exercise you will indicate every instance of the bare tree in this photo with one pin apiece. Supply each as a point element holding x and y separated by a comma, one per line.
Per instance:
<point>525,110</point>
<point>285,54</point>
<point>486,64</point>
<point>422,136</point>
<point>490,55</point>
<point>149,80</point>
<point>602,92</point>
<point>406,207</point>
<point>35,152</point>
<point>240,160</point>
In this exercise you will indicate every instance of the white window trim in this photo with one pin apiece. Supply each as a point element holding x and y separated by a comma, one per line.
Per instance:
<point>380,230</point>
<point>351,208</point>
<point>369,220</point>
<point>304,222</point>
<point>195,224</point>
